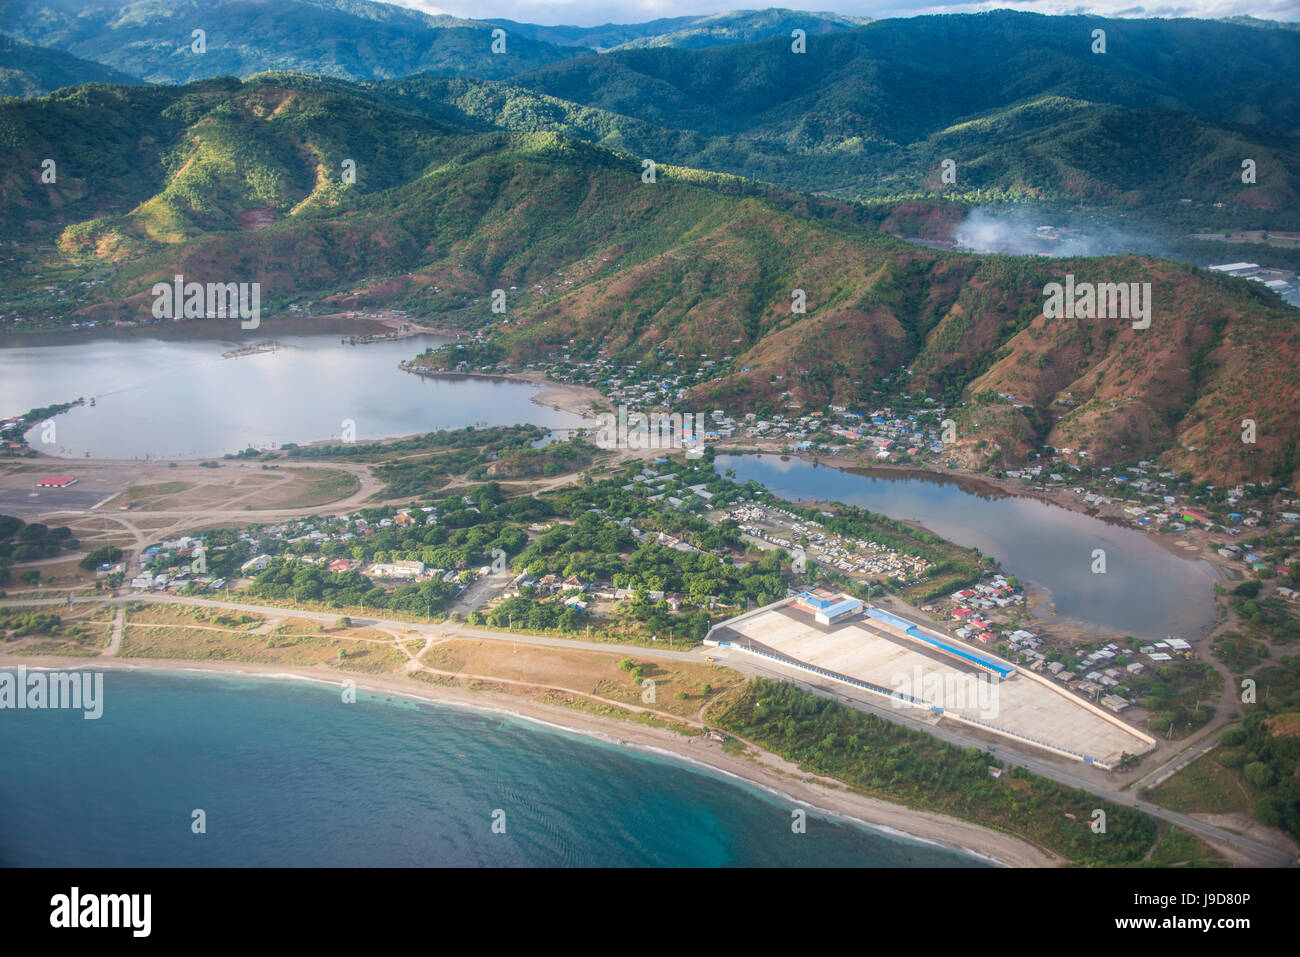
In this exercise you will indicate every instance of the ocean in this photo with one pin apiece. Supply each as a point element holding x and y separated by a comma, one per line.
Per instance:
<point>286,774</point>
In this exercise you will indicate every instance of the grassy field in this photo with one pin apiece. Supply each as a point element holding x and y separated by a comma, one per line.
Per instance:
<point>149,613</point>
<point>307,487</point>
<point>156,631</point>
<point>1204,786</point>
<point>562,699</point>
<point>149,494</point>
<point>80,632</point>
<point>1174,847</point>
<point>677,689</point>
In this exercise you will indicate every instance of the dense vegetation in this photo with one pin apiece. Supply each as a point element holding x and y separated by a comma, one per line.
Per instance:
<point>1019,101</point>
<point>445,210</point>
<point>27,70</point>
<point>911,767</point>
<point>20,542</point>
<point>348,38</point>
<point>1265,749</point>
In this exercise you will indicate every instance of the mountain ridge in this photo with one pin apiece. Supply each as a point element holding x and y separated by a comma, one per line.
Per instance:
<point>592,257</point>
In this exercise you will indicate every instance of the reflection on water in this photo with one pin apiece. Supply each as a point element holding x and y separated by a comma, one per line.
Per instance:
<point>1146,591</point>
<point>175,396</point>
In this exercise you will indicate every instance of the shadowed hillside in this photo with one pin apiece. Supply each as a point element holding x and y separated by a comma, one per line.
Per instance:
<point>241,182</point>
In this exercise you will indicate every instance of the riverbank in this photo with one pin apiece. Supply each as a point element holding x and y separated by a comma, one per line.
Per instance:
<point>759,768</point>
<point>562,396</point>
<point>217,330</point>
<point>1192,544</point>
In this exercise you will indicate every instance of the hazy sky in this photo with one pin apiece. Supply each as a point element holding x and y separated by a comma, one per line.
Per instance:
<point>591,12</point>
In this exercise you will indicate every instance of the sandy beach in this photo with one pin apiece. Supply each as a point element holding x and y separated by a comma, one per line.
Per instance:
<point>564,396</point>
<point>764,769</point>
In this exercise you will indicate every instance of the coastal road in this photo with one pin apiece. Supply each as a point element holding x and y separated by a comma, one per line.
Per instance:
<point>1175,764</point>
<point>1257,851</point>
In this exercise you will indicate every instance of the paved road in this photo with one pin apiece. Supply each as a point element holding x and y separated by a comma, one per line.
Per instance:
<point>1259,852</point>
<point>1264,854</point>
<point>1179,761</point>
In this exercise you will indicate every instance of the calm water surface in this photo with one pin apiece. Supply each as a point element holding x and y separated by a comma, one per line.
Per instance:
<point>174,396</point>
<point>1146,590</point>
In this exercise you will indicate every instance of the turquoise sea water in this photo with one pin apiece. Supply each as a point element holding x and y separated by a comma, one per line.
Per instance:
<point>287,774</point>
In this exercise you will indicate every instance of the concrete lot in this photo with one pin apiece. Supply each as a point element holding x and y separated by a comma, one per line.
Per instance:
<point>868,650</point>
<point>27,500</point>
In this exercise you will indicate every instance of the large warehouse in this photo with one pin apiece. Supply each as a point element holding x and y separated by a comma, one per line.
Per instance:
<point>827,608</point>
<point>910,665</point>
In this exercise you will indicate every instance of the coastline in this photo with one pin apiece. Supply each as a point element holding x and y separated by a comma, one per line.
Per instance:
<point>1190,545</point>
<point>764,770</point>
<point>564,396</point>
<point>979,483</point>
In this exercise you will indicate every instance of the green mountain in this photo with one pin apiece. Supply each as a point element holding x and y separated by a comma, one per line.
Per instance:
<point>1018,101</point>
<point>153,39</point>
<point>690,33</point>
<point>1045,150</point>
<point>27,70</point>
<point>895,81</point>
<point>224,181</point>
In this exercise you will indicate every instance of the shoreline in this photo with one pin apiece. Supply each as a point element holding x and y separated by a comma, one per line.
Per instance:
<point>564,396</point>
<point>980,484</point>
<point>765,771</point>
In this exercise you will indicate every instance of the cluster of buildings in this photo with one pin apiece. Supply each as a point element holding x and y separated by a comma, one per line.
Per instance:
<point>1278,280</point>
<point>572,591</point>
<point>970,607</point>
<point>664,487</point>
<point>11,435</point>
<point>887,432</point>
<point>1152,498</point>
<point>890,433</point>
<point>1091,675</point>
<point>1105,675</point>
<point>174,565</point>
<point>851,556</point>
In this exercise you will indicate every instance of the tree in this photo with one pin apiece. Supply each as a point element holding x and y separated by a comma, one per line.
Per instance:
<point>104,555</point>
<point>1259,775</point>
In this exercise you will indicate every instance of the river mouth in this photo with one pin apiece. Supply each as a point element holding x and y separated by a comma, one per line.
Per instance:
<point>202,392</point>
<point>1146,590</point>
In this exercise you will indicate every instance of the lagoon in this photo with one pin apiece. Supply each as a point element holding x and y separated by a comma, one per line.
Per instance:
<point>1146,590</point>
<point>171,395</point>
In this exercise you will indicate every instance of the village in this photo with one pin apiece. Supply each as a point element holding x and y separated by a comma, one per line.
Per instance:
<point>1108,673</point>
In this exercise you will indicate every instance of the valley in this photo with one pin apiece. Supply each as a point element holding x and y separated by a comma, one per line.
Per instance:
<point>941,347</point>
